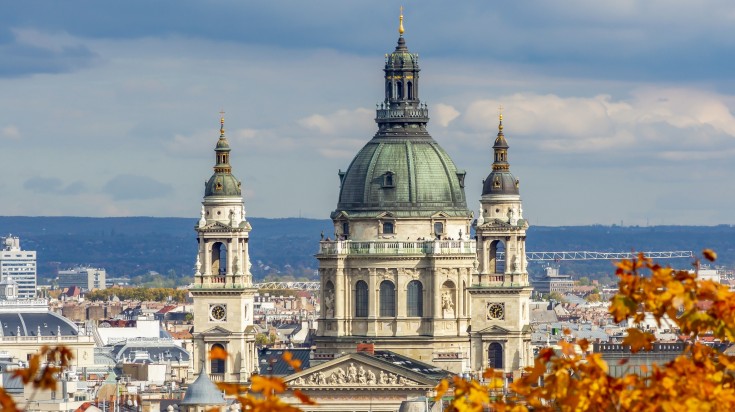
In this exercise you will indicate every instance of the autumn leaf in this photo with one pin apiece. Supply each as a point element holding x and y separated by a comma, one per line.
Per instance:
<point>709,254</point>
<point>294,363</point>
<point>639,340</point>
<point>441,389</point>
<point>217,353</point>
<point>305,399</point>
<point>267,384</point>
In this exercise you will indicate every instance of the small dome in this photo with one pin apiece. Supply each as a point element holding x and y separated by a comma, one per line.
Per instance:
<point>409,176</point>
<point>500,183</point>
<point>401,58</point>
<point>203,392</point>
<point>222,144</point>
<point>223,184</point>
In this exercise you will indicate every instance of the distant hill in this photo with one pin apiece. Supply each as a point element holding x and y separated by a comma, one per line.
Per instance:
<point>136,245</point>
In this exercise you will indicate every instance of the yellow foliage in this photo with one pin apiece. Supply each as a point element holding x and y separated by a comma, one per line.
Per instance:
<point>700,379</point>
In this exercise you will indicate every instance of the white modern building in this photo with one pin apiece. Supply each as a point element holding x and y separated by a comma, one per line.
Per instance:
<point>85,278</point>
<point>19,266</point>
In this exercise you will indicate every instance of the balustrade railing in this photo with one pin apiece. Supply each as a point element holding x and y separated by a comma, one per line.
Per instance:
<point>402,113</point>
<point>381,247</point>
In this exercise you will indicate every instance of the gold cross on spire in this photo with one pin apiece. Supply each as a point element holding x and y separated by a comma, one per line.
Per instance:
<point>500,115</point>
<point>400,25</point>
<point>222,122</point>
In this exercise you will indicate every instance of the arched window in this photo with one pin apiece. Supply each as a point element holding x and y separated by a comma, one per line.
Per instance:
<point>387,299</point>
<point>346,228</point>
<point>495,356</point>
<point>497,256</point>
<point>388,228</point>
<point>409,89</point>
<point>219,259</point>
<point>361,299</point>
<point>217,365</point>
<point>399,87</point>
<point>438,229</point>
<point>415,299</point>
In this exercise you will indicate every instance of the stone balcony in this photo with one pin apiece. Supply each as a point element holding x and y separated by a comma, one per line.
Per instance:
<point>382,247</point>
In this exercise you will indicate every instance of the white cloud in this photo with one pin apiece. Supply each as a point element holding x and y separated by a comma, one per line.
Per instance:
<point>340,122</point>
<point>650,118</point>
<point>443,114</point>
<point>10,132</point>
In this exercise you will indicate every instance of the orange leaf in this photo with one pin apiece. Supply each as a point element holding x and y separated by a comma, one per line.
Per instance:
<point>709,254</point>
<point>294,363</point>
<point>639,340</point>
<point>304,398</point>
<point>217,353</point>
<point>441,389</point>
<point>267,384</point>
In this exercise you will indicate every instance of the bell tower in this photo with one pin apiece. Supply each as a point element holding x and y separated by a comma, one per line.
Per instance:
<point>500,292</point>
<point>222,291</point>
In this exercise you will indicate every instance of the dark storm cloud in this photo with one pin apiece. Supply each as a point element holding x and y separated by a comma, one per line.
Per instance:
<point>132,187</point>
<point>630,40</point>
<point>20,59</point>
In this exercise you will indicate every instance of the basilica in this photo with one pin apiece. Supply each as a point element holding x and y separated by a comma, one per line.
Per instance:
<point>408,293</point>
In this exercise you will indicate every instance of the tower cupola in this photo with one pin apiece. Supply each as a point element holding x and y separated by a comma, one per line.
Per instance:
<point>222,182</point>
<point>500,180</point>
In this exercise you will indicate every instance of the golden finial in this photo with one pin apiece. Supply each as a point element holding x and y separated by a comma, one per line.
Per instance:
<point>500,115</point>
<point>400,25</point>
<point>222,123</point>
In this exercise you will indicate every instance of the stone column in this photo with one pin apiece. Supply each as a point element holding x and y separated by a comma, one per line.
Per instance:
<point>230,256</point>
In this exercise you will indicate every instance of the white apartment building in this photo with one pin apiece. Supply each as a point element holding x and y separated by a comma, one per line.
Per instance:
<point>19,266</point>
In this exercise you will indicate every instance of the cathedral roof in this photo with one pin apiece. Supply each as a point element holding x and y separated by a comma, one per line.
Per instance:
<point>402,170</point>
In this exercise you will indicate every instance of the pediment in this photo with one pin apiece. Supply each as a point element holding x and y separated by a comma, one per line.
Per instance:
<point>341,215</point>
<point>359,371</point>
<point>385,214</point>
<point>494,223</point>
<point>494,330</point>
<point>217,226</point>
<point>442,215</point>
<point>217,330</point>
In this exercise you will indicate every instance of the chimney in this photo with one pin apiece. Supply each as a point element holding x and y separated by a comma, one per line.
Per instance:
<point>367,347</point>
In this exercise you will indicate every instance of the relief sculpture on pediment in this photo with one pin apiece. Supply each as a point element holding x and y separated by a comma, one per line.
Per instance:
<point>353,375</point>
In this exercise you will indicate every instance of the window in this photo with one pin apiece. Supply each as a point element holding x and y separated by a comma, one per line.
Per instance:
<point>409,89</point>
<point>438,228</point>
<point>217,365</point>
<point>387,299</point>
<point>415,299</point>
<point>388,180</point>
<point>388,228</point>
<point>345,228</point>
<point>361,299</point>
<point>495,356</point>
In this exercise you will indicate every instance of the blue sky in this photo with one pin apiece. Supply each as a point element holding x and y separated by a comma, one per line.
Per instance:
<point>614,111</point>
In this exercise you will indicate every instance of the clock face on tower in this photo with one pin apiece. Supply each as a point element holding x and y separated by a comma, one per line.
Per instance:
<point>495,311</point>
<point>217,313</point>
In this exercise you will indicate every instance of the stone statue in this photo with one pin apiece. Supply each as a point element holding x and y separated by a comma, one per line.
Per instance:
<point>392,379</point>
<point>361,377</point>
<point>232,218</point>
<point>202,220</point>
<point>352,373</point>
<point>447,301</point>
<point>512,217</point>
<point>383,380</point>
<point>300,381</point>
<point>370,378</point>
<point>480,217</point>
<point>198,267</point>
<point>333,379</point>
<point>341,376</point>
<point>514,264</point>
<point>329,303</point>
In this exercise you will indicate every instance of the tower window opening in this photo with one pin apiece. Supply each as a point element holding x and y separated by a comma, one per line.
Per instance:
<point>399,88</point>
<point>387,299</point>
<point>346,228</point>
<point>409,89</point>
<point>361,299</point>
<point>217,365</point>
<point>388,180</point>
<point>388,228</point>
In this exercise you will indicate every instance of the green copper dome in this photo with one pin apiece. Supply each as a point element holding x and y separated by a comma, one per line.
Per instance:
<point>405,176</point>
<point>402,170</point>
<point>222,182</point>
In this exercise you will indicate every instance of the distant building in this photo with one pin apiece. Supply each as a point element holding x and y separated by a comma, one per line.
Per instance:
<point>553,282</point>
<point>86,278</point>
<point>19,266</point>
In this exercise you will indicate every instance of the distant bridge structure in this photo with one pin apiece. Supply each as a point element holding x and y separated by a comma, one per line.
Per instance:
<point>530,256</point>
